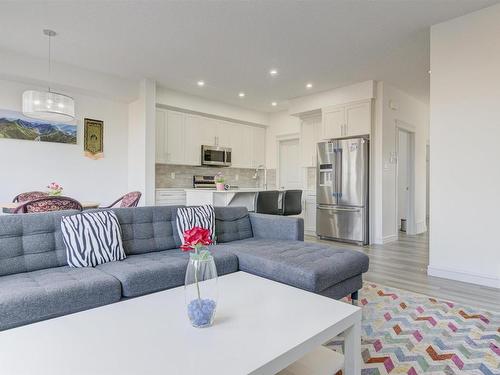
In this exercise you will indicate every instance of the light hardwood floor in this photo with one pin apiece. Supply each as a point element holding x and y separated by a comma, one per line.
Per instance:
<point>403,264</point>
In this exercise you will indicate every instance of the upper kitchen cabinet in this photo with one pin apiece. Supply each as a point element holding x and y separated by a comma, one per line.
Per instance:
<point>310,129</point>
<point>358,117</point>
<point>241,140</point>
<point>347,120</point>
<point>169,137</point>
<point>179,137</point>
<point>333,122</point>
<point>258,146</point>
<point>193,139</point>
<point>224,132</point>
<point>161,153</point>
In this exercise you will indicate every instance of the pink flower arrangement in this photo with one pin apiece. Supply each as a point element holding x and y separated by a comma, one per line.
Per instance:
<point>55,188</point>
<point>196,238</point>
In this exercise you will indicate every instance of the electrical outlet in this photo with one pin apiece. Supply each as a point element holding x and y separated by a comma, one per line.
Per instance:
<point>237,177</point>
<point>172,175</point>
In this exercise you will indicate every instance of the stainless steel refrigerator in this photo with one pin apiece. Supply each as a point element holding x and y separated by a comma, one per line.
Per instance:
<point>342,190</point>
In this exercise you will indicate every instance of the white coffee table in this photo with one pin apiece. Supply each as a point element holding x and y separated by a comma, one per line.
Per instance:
<point>261,327</point>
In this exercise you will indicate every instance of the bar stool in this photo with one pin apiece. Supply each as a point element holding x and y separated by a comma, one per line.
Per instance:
<point>266,202</point>
<point>292,202</point>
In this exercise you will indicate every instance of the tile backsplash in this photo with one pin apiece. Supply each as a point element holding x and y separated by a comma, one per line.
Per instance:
<point>181,176</point>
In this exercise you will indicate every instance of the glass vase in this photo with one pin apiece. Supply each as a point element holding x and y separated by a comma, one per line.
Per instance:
<point>201,289</point>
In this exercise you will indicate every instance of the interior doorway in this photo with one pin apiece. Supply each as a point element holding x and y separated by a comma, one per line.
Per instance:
<point>289,164</point>
<point>405,180</point>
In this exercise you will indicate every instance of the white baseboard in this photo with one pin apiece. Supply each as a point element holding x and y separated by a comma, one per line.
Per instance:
<point>467,277</point>
<point>420,227</point>
<point>390,238</point>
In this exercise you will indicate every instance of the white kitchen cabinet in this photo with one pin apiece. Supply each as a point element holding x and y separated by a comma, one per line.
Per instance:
<point>241,139</point>
<point>258,146</point>
<point>160,152</point>
<point>174,134</point>
<point>308,140</point>
<point>347,120</point>
<point>179,137</point>
<point>223,134</point>
<point>192,140</point>
<point>358,118</point>
<point>170,197</point>
<point>310,212</point>
<point>333,122</point>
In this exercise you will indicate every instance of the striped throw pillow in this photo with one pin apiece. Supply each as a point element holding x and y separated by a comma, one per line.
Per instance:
<point>92,238</point>
<point>197,216</point>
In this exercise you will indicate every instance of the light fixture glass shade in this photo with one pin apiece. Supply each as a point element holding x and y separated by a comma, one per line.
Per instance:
<point>50,106</point>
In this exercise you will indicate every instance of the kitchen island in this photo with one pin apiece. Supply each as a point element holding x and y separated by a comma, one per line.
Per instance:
<point>243,197</point>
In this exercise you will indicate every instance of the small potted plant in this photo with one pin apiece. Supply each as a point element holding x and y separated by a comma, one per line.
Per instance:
<point>201,278</point>
<point>54,189</point>
<point>219,181</point>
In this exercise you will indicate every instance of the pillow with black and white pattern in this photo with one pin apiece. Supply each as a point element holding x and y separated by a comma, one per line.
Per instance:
<point>92,238</point>
<point>196,216</point>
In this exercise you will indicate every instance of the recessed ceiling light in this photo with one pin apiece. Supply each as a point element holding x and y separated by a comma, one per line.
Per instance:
<point>309,85</point>
<point>241,94</point>
<point>429,72</point>
<point>274,104</point>
<point>273,72</point>
<point>201,83</point>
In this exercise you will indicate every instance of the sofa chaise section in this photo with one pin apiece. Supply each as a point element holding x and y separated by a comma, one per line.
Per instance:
<point>275,250</point>
<point>35,281</point>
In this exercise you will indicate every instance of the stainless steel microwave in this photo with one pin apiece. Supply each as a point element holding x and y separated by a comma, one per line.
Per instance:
<point>215,155</point>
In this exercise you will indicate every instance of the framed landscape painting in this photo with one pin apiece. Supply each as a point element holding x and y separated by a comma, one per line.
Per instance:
<point>14,125</point>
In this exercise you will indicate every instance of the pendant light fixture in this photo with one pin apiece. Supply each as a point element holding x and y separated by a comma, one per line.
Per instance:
<point>48,105</point>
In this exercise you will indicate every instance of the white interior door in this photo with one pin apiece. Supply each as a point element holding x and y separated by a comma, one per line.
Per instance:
<point>289,164</point>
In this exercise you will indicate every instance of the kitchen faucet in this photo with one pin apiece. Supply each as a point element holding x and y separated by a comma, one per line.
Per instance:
<point>261,167</point>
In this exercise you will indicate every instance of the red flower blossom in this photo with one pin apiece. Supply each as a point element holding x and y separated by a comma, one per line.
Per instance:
<point>196,236</point>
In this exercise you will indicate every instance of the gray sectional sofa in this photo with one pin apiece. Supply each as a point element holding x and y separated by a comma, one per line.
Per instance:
<point>36,283</point>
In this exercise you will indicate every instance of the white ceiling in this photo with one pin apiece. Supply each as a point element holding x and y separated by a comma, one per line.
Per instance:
<point>231,45</point>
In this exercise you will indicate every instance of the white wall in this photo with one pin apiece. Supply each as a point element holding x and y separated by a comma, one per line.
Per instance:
<point>29,165</point>
<point>141,142</point>
<point>197,104</point>
<point>280,123</point>
<point>414,114</point>
<point>465,151</point>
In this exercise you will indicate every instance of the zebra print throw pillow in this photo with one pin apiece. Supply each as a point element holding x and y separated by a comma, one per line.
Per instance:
<point>196,216</point>
<point>92,238</point>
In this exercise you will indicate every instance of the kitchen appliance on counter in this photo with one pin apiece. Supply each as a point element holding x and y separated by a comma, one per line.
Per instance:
<point>216,156</point>
<point>204,182</point>
<point>342,190</point>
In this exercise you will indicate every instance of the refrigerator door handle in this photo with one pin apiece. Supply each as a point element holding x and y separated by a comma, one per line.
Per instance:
<point>345,209</point>
<point>338,172</point>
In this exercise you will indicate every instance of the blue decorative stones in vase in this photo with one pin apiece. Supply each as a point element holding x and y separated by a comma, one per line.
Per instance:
<point>201,289</point>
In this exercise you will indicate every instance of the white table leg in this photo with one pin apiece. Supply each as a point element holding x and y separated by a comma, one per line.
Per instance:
<point>352,349</point>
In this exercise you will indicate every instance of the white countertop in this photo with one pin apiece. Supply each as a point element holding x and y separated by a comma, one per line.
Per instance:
<point>240,190</point>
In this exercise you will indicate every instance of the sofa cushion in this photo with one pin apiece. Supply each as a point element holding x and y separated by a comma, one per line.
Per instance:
<point>306,265</point>
<point>231,224</point>
<point>31,242</point>
<point>147,229</point>
<point>33,296</point>
<point>152,272</point>
<point>92,238</point>
<point>197,216</point>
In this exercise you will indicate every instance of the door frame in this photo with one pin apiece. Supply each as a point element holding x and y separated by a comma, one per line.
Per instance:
<point>411,219</point>
<point>280,138</point>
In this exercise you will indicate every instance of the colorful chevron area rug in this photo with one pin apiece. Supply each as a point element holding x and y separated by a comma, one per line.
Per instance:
<point>409,333</point>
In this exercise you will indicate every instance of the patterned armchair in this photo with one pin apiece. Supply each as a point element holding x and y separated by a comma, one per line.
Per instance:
<point>28,196</point>
<point>48,203</point>
<point>128,200</point>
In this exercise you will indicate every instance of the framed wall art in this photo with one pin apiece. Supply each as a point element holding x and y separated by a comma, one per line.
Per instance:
<point>93,144</point>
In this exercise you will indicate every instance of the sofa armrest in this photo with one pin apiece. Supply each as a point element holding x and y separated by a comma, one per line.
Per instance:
<point>277,227</point>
